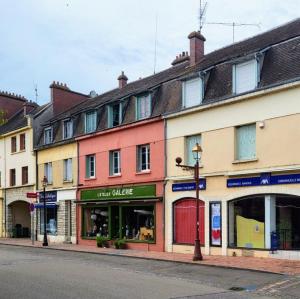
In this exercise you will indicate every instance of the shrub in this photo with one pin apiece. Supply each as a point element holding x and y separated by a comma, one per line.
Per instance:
<point>102,241</point>
<point>120,244</point>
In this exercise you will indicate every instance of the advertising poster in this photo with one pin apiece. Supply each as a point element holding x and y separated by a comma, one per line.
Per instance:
<point>215,224</point>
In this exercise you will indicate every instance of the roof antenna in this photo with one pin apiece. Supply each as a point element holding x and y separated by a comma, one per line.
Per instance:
<point>155,43</point>
<point>36,93</point>
<point>202,12</point>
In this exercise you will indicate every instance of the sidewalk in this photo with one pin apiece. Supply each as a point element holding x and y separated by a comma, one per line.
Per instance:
<point>250,263</point>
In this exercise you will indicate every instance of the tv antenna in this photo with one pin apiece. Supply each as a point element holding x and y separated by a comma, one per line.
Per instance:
<point>155,43</point>
<point>36,93</point>
<point>233,25</point>
<point>202,12</point>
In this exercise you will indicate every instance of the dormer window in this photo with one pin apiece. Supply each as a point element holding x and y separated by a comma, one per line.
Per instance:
<point>143,106</point>
<point>67,129</point>
<point>192,92</point>
<point>48,135</point>
<point>114,115</point>
<point>90,122</point>
<point>245,76</point>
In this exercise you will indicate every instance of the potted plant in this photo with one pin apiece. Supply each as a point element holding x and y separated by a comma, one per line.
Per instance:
<point>120,244</point>
<point>102,241</point>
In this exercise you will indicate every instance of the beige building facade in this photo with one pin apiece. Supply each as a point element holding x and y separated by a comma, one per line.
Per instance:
<point>248,204</point>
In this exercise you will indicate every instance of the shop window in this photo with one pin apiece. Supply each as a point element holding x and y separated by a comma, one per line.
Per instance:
<point>114,162</point>
<point>48,172</point>
<point>246,142</point>
<point>247,223</point>
<point>215,224</point>
<point>67,129</point>
<point>90,166</point>
<point>13,144</point>
<point>48,135</point>
<point>24,175</point>
<point>115,115</point>
<point>138,223</point>
<point>90,122</point>
<point>192,92</point>
<point>95,221</point>
<point>143,106</point>
<point>190,142</point>
<point>67,170</point>
<point>51,220</point>
<point>185,221</point>
<point>22,142</point>
<point>12,177</point>
<point>143,158</point>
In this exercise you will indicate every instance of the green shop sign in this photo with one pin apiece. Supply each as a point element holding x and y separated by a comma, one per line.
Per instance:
<point>131,192</point>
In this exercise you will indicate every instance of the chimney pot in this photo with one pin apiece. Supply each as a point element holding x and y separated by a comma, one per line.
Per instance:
<point>196,47</point>
<point>122,80</point>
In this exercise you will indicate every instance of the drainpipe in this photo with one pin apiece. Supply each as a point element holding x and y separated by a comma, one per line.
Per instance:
<point>77,207</point>
<point>36,188</point>
<point>165,183</point>
<point>5,172</point>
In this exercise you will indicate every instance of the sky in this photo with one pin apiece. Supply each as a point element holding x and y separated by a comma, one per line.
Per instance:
<point>87,43</point>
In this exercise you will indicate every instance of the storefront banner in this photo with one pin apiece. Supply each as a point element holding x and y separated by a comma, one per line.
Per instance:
<point>132,192</point>
<point>189,186</point>
<point>51,196</point>
<point>264,180</point>
<point>48,205</point>
<point>215,210</point>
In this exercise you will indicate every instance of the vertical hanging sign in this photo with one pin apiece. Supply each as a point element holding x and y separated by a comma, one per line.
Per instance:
<point>215,224</point>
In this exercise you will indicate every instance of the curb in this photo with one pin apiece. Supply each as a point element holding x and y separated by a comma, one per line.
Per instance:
<point>146,258</point>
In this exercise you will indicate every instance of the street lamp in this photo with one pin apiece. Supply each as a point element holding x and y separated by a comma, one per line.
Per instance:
<point>196,151</point>
<point>44,183</point>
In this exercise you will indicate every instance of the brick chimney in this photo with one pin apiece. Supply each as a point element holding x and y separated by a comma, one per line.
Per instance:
<point>196,47</point>
<point>182,57</point>
<point>122,80</point>
<point>28,106</point>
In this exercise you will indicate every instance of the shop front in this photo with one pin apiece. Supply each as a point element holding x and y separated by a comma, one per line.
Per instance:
<point>133,213</point>
<point>2,233</point>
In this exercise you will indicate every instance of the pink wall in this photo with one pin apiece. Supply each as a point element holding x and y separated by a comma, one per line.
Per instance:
<point>126,140</point>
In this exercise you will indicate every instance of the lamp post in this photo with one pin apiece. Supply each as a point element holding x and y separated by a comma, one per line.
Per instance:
<point>44,183</point>
<point>196,154</point>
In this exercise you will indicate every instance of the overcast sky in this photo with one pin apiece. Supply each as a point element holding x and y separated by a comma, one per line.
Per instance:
<point>87,43</point>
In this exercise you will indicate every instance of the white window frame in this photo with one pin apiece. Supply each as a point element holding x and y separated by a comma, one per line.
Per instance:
<point>91,167</point>
<point>68,170</point>
<point>87,114</point>
<point>140,158</point>
<point>188,153</point>
<point>139,100</point>
<point>114,156</point>
<point>48,139</point>
<point>184,92</point>
<point>48,172</point>
<point>256,75</point>
<point>237,149</point>
<point>111,117</point>
<point>70,135</point>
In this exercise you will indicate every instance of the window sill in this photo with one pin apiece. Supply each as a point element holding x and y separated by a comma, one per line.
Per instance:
<point>67,181</point>
<point>245,161</point>
<point>115,175</point>
<point>90,179</point>
<point>143,172</point>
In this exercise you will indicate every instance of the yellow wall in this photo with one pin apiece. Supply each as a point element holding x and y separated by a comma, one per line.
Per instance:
<point>56,155</point>
<point>1,216</point>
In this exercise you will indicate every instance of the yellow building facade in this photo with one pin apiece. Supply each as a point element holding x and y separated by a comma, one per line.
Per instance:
<point>244,200</point>
<point>59,165</point>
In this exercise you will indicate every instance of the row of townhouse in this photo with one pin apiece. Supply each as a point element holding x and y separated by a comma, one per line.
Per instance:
<point>110,159</point>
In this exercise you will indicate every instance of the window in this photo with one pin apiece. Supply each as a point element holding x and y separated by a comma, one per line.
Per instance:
<point>190,142</point>
<point>12,177</point>
<point>192,92</point>
<point>68,170</point>
<point>114,163</point>
<point>143,107</point>
<point>48,135</point>
<point>114,115</point>
<point>245,76</point>
<point>24,175</point>
<point>22,142</point>
<point>67,129</point>
<point>143,159</point>
<point>48,172</point>
<point>246,142</point>
<point>96,221</point>
<point>51,220</point>
<point>90,122</point>
<point>90,166</point>
<point>13,144</point>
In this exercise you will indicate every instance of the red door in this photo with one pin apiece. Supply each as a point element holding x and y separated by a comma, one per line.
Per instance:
<point>185,221</point>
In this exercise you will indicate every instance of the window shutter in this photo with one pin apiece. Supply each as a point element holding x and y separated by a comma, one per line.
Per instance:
<point>87,163</point>
<point>50,172</point>
<point>69,169</point>
<point>245,76</point>
<point>246,142</point>
<point>192,92</point>
<point>111,170</point>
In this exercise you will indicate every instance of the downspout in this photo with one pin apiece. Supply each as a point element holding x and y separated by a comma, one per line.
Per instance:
<point>77,206</point>
<point>36,188</point>
<point>165,182</point>
<point>5,172</point>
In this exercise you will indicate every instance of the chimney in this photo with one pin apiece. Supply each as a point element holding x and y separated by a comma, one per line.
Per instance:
<point>196,47</point>
<point>122,80</point>
<point>184,56</point>
<point>28,106</point>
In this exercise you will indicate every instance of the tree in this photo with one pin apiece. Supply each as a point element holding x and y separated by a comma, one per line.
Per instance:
<point>3,119</point>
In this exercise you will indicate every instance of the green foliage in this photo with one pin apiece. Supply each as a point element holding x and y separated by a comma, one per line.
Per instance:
<point>102,241</point>
<point>120,244</point>
<point>3,119</point>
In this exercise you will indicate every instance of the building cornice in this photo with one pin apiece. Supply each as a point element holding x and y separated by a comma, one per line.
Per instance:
<point>15,132</point>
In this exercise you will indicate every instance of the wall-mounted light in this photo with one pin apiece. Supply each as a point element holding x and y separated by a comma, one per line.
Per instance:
<point>261,124</point>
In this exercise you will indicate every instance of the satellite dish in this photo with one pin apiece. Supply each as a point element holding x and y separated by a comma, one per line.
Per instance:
<point>93,94</point>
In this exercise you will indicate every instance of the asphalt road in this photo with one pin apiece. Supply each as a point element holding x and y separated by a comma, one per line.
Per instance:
<point>43,274</point>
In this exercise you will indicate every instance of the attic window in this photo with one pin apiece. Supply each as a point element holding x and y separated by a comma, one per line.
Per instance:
<point>115,113</point>
<point>143,106</point>
<point>192,92</point>
<point>90,121</point>
<point>48,135</point>
<point>245,76</point>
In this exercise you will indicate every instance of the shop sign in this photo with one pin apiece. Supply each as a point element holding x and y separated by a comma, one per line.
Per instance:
<point>132,192</point>
<point>51,196</point>
<point>215,222</point>
<point>264,179</point>
<point>189,186</point>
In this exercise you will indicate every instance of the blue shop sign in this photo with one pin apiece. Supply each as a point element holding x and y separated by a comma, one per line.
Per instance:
<point>189,186</point>
<point>51,196</point>
<point>265,179</point>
